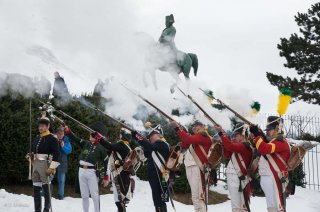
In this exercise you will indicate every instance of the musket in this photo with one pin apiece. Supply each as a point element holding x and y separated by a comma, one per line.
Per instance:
<point>50,109</point>
<point>200,108</point>
<point>229,108</point>
<point>30,140</point>
<point>113,119</point>
<point>150,103</point>
<point>118,122</point>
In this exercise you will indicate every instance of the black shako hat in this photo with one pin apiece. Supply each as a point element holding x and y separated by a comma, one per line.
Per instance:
<point>273,122</point>
<point>240,128</point>
<point>99,127</point>
<point>197,123</point>
<point>154,129</point>
<point>170,18</point>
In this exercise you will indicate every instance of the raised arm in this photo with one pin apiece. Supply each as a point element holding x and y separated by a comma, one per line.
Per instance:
<point>271,147</point>
<point>74,138</point>
<point>230,146</point>
<point>187,139</point>
<point>106,144</point>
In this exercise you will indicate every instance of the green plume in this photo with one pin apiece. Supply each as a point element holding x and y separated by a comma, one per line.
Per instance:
<point>286,91</point>
<point>209,93</point>
<point>256,106</point>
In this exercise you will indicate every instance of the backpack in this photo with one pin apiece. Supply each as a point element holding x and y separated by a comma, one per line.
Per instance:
<point>297,154</point>
<point>173,159</point>
<point>215,154</point>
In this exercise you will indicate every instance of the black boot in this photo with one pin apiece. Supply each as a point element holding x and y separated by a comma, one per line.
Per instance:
<point>120,207</point>
<point>47,198</point>
<point>163,208</point>
<point>37,198</point>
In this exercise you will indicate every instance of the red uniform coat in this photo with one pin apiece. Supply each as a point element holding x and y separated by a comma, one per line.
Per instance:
<point>278,145</point>
<point>241,148</point>
<point>196,140</point>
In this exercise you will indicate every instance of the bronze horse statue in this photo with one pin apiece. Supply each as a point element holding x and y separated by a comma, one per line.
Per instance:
<point>164,55</point>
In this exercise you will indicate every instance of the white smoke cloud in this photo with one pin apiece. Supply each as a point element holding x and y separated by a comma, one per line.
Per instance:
<point>93,40</point>
<point>18,84</point>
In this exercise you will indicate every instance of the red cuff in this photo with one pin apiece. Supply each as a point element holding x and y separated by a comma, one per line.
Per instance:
<point>67,131</point>
<point>98,136</point>
<point>106,177</point>
<point>223,134</point>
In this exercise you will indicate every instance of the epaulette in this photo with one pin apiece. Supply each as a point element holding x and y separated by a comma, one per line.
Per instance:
<point>51,135</point>
<point>124,142</point>
<point>205,134</point>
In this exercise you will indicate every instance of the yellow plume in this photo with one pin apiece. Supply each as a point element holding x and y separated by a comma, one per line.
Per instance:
<point>284,101</point>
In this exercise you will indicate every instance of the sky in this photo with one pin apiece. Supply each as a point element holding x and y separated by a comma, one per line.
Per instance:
<point>236,43</point>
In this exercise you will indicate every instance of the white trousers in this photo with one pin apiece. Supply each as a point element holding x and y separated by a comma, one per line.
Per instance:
<point>89,186</point>
<point>195,182</point>
<point>269,187</point>
<point>237,198</point>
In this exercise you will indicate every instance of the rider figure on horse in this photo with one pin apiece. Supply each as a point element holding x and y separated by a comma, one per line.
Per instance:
<point>168,34</point>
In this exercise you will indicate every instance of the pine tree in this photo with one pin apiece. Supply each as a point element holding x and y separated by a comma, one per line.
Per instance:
<point>302,54</point>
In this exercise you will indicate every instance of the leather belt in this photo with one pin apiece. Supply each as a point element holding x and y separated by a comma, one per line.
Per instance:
<point>87,167</point>
<point>40,156</point>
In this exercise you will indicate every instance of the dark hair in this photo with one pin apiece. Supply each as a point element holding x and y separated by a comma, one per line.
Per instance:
<point>59,130</point>
<point>44,120</point>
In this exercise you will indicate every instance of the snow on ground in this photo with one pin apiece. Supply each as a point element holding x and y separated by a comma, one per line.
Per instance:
<point>304,200</point>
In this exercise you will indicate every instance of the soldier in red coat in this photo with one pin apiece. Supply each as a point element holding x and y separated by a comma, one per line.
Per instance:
<point>275,152</point>
<point>240,153</point>
<point>196,161</point>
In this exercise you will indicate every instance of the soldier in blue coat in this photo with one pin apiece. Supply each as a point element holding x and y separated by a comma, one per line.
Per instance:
<point>156,150</point>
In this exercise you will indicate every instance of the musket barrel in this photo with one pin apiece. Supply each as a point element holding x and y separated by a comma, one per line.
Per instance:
<point>85,127</point>
<point>230,109</point>
<point>150,103</point>
<point>159,110</point>
<point>76,121</point>
<point>113,119</point>
<point>235,113</point>
<point>198,106</point>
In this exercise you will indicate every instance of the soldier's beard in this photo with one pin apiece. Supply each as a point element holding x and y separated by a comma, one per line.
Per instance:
<point>268,137</point>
